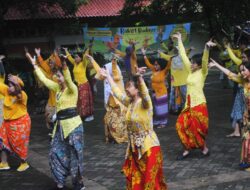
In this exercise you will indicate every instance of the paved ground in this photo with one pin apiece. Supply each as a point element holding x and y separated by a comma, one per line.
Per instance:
<point>103,161</point>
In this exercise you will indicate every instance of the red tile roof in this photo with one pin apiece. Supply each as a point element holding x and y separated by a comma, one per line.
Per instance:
<point>94,8</point>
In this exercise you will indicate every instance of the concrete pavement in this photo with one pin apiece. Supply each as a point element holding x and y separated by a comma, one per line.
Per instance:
<point>103,161</point>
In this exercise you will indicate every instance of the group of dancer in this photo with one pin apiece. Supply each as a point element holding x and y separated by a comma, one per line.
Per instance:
<point>130,114</point>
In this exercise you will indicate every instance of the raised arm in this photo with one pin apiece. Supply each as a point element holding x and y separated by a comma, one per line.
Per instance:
<point>146,100</point>
<point>69,57</point>
<point>230,75</point>
<point>147,62</point>
<point>57,58</point>
<point>164,56</point>
<point>163,45</point>
<point>122,97</point>
<point>120,53</point>
<point>182,52</point>
<point>51,85</point>
<point>42,63</point>
<point>70,84</point>
<point>205,57</point>
<point>232,56</point>
<point>168,66</point>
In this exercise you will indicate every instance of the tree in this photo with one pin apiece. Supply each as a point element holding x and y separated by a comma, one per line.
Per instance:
<point>217,14</point>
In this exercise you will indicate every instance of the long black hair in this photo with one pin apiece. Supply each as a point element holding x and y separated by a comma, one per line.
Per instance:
<point>197,59</point>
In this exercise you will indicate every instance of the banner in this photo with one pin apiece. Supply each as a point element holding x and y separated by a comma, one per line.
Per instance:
<point>119,37</point>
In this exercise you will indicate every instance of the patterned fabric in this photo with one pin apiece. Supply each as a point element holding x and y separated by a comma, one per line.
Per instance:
<point>66,156</point>
<point>192,126</point>
<point>139,119</point>
<point>49,112</point>
<point>1,112</point>
<point>14,136</point>
<point>85,100</point>
<point>145,173</point>
<point>177,97</point>
<point>143,164</point>
<point>245,131</point>
<point>161,110</point>
<point>245,148</point>
<point>238,106</point>
<point>115,127</point>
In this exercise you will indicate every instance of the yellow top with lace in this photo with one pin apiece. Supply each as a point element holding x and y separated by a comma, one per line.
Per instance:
<point>13,108</point>
<point>179,77</point>
<point>65,99</point>
<point>79,69</point>
<point>139,120</point>
<point>195,80</point>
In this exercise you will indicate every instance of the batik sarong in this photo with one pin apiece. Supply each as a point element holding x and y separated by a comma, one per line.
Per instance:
<point>160,110</point>
<point>66,156</point>
<point>145,173</point>
<point>115,127</point>
<point>15,135</point>
<point>192,126</point>
<point>85,100</point>
<point>245,148</point>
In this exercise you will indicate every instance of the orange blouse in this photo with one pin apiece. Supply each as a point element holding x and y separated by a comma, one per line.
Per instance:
<point>44,64</point>
<point>13,108</point>
<point>158,78</point>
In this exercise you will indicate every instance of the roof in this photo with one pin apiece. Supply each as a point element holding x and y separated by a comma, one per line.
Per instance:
<point>94,8</point>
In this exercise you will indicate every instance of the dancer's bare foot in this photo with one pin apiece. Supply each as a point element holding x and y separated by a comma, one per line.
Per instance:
<point>233,135</point>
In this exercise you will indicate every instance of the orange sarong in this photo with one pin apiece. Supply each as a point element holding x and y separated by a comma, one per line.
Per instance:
<point>15,135</point>
<point>146,173</point>
<point>192,126</point>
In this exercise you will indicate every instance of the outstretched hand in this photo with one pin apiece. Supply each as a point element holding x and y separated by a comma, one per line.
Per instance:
<point>143,51</point>
<point>31,59</point>
<point>12,79</point>
<point>2,57</point>
<point>63,56</point>
<point>64,64</point>
<point>177,35</point>
<point>210,44</point>
<point>140,71</point>
<point>212,63</point>
<point>65,49</point>
<point>104,72</point>
<point>89,57</point>
<point>37,51</point>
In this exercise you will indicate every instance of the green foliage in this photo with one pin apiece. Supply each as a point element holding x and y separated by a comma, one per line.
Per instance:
<point>69,6</point>
<point>217,14</point>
